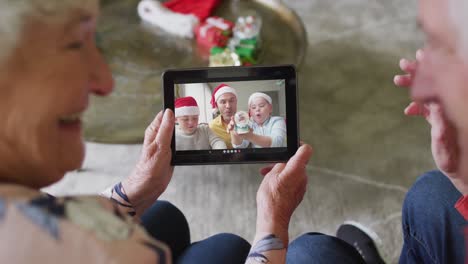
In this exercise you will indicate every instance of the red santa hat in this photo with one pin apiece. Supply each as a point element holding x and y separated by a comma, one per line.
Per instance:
<point>199,8</point>
<point>220,90</point>
<point>186,106</point>
<point>178,17</point>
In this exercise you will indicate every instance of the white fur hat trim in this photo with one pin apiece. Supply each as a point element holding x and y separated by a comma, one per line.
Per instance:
<point>261,95</point>
<point>187,110</point>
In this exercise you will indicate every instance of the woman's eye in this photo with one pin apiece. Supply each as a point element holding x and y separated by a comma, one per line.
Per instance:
<point>75,45</point>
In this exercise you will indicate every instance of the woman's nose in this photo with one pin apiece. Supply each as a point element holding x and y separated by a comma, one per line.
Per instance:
<point>101,81</point>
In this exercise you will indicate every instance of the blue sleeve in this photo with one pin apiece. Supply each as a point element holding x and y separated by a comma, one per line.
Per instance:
<point>278,133</point>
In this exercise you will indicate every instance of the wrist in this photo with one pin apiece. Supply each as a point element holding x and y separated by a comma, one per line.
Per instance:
<point>277,228</point>
<point>280,233</point>
<point>137,198</point>
<point>118,195</point>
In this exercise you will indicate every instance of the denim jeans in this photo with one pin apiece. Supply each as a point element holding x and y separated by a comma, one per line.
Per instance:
<point>432,227</point>
<point>166,223</point>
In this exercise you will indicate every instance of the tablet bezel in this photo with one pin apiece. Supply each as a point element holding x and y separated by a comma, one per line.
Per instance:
<point>236,74</point>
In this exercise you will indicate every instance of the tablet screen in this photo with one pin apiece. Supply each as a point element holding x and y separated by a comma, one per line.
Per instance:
<point>230,117</point>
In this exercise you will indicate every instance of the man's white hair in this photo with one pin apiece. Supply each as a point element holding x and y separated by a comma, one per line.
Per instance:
<point>15,13</point>
<point>458,12</point>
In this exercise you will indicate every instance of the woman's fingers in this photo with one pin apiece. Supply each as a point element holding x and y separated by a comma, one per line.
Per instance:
<point>265,170</point>
<point>164,135</point>
<point>152,130</point>
<point>298,162</point>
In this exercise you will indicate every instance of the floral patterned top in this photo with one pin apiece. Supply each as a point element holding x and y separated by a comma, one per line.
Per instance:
<point>39,228</point>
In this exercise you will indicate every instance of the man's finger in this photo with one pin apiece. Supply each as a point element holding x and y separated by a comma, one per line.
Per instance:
<point>408,66</point>
<point>152,129</point>
<point>416,109</point>
<point>419,55</point>
<point>413,109</point>
<point>298,161</point>
<point>164,136</point>
<point>403,80</point>
<point>437,115</point>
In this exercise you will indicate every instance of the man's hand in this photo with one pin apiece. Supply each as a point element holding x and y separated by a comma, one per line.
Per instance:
<point>444,143</point>
<point>153,171</point>
<point>280,192</point>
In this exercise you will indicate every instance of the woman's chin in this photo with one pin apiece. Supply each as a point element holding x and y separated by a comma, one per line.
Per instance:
<point>71,155</point>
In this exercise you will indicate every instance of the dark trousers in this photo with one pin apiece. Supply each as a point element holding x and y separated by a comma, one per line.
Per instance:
<point>432,227</point>
<point>166,223</point>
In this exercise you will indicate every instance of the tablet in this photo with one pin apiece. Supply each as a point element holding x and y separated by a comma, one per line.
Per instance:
<point>228,115</point>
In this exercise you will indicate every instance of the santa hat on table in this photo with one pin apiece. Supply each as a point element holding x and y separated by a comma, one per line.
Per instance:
<point>186,106</point>
<point>220,90</point>
<point>178,17</point>
<point>199,8</point>
<point>261,95</point>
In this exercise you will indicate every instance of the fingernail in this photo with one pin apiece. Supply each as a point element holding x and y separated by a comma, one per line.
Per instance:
<point>419,55</point>
<point>403,63</point>
<point>167,114</point>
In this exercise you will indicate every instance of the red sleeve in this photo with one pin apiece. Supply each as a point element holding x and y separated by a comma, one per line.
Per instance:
<point>462,206</point>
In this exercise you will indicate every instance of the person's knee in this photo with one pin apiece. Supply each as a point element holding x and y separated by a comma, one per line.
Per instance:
<point>163,208</point>
<point>221,248</point>
<point>431,192</point>
<point>433,183</point>
<point>231,239</point>
<point>310,241</point>
<point>428,202</point>
<point>312,238</point>
<point>321,248</point>
<point>166,206</point>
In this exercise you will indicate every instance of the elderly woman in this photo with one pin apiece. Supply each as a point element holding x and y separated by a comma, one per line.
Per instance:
<point>49,66</point>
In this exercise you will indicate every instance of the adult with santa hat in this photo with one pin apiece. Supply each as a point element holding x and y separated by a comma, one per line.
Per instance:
<point>224,99</point>
<point>189,134</point>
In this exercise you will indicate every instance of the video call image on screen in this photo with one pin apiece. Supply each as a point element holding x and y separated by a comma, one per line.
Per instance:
<point>230,116</point>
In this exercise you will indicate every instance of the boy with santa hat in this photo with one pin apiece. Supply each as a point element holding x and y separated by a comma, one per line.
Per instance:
<point>224,99</point>
<point>189,134</point>
<point>267,131</point>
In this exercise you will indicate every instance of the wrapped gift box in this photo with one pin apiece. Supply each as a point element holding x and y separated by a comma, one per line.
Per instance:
<point>215,31</point>
<point>247,49</point>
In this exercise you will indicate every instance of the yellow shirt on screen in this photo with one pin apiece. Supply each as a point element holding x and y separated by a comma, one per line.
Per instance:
<point>219,128</point>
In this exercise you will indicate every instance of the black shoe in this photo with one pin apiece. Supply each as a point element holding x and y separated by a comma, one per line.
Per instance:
<point>361,239</point>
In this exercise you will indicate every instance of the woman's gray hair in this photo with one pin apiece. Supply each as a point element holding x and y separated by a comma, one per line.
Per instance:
<point>15,13</point>
<point>458,13</point>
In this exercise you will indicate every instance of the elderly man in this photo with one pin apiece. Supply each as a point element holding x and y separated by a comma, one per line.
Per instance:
<point>224,99</point>
<point>435,210</point>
